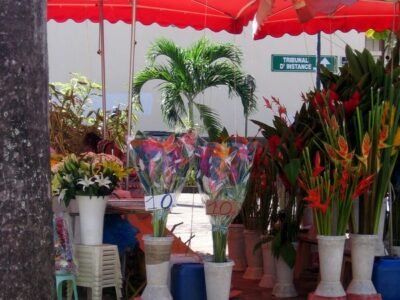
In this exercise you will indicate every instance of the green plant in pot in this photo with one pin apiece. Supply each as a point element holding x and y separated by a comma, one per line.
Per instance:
<point>185,73</point>
<point>259,208</point>
<point>370,95</point>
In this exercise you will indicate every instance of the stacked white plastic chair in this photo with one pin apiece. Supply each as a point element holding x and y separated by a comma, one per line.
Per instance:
<point>99,267</point>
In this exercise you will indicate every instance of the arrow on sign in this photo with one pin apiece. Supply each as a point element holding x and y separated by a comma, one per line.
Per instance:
<point>325,62</point>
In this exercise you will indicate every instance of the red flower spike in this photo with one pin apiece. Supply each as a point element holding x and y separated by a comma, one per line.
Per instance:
<point>298,143</point>
<point>366,146</point>
<point>273,143</point>
<point>313,196</point>
<point>267,103</point>
<point>331,151</point>
<point>282,110</point>
<point>334,124</point>
<point>317,165</point>
<point>383,135</point>
<point>362,186</point>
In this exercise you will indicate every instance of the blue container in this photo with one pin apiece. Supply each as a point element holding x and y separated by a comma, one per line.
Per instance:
<point>188,282</point>
<point>386,277</point>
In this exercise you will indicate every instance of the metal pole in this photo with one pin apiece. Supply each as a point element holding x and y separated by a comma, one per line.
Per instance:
<point>130,78</point>
<point>318,81</point>
<point>103,71</point>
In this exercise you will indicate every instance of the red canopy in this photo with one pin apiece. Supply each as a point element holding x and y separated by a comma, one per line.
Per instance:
<point>216,15</point>
<point>361,16</point>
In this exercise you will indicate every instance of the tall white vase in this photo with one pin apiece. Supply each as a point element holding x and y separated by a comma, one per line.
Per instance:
<point>254,258</point>
<point>268,279</point>
<point>91,213</point>
<point>284,287</point>
<point>218,279</point>
<point>330,251</point>
<point>379,245</point>
<point>362,261</point>
<point>236,246</point>
<point>157,256</point>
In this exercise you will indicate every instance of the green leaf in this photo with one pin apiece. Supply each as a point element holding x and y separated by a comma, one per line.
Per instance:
<point>292,170</point>
<point>288,254</point>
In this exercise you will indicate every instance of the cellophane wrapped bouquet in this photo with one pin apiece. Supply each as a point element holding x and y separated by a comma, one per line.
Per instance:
<point>162,167</point>
<point>222,178</point>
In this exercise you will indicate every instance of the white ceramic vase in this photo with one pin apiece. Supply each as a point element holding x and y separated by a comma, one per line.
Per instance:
<point>236,246</point>
<point>218,279</point>
<point>362,262</point>
<point>91,214</point>
<point>330,251</point>
<point>254,268</point>
<point>284,286</point>
<point>157,256</point>
<point>268,279</point>
<point>379,245</point>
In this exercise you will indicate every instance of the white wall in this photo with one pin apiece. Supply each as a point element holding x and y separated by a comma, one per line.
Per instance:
<point>73,48</point>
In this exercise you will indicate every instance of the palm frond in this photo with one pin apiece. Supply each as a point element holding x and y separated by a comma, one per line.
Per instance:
<point>209,52</point>
<point>210,120</point>
<point>172,105</point>
<point>150,73</point>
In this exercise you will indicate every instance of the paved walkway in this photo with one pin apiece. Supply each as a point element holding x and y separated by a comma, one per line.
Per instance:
<point>190,210</point>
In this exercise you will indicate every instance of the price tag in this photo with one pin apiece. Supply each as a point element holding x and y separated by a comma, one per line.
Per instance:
<point>222,208</point>
<point>164,201</point>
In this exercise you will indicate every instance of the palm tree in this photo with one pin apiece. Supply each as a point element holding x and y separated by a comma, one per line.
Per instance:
<point>26,231</point>
<point>188,72</point>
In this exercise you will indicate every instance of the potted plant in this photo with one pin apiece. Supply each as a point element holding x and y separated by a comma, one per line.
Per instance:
<point>89,178</point>
<point>222,178</point>
<point>336,177</point>
<point>162,167</point>
<point>259,211</point>
<point>370,96</point>
<point>285,142</point>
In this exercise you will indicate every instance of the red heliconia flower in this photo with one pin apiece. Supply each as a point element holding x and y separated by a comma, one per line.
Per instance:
<point>317,101</point>
<point>362,186</point>
<point>267,103</point>
<point>351,104</point>
<point>322,206</point>
<point>313,196</point>
<point>383,135</point>
<point>298,143</point>
<point>344,149</point>
<point>317,165</point>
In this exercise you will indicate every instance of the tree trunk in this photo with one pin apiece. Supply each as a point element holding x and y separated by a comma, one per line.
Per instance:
<point>26,234</point>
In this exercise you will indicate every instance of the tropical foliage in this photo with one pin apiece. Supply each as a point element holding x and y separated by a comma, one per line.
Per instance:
<point>185,73</point>
<point>72,116</point>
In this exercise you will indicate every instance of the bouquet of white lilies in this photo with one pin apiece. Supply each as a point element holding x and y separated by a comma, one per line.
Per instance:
<point>89,174</point>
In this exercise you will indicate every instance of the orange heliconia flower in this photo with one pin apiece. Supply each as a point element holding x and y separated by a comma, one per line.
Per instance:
<point>383,135</point>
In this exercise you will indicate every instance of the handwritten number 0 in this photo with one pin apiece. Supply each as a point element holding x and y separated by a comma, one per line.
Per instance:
<point>170,201</point>
<point>228,212</point>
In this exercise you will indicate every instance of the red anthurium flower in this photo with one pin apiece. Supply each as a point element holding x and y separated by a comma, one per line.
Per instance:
<point>362,186</point>
<point>317,165</point>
